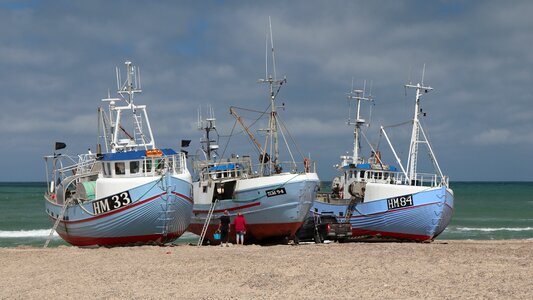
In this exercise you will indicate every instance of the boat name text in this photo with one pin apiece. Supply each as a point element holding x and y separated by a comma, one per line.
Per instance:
<point>276,192</point>
<point>399,202</point>
<point>111,203</point>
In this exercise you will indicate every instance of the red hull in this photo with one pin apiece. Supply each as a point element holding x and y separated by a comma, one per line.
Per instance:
<point>390,235</point>
<point>82,241</point>
<point>254,232</point>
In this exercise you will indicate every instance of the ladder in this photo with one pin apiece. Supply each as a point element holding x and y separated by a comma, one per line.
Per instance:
<point>350,208</point>
<point>167,211</point>
<point>207,221</point>
<point>138,133</point>
<point>59,218</point>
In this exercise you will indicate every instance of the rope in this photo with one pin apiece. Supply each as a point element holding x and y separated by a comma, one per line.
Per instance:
<point>399,124</point>
<point>286,144</point>
<point>227,143</point>
<point>253,123</point>
<point>292,139</point>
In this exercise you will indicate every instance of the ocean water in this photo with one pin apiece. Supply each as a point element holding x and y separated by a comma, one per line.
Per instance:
<point>483,211</point>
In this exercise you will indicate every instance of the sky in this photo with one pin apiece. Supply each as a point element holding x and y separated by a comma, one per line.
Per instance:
<point>58,59</point>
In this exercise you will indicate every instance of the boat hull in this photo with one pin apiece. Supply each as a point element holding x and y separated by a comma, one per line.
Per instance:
<point>159,213</point>
<point>430,213</point>
<point>267,218</point>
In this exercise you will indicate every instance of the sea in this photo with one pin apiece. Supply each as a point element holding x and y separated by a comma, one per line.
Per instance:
<point>483,211</point>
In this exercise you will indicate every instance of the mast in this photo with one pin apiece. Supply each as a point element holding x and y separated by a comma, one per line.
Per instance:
<point>357,95</point>
<point>207,126</point>
<point>274,87</point>
<point>127,90</point>
<point>415,134</point>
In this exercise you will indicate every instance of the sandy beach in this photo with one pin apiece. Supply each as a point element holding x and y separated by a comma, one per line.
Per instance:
<point>442,269</point>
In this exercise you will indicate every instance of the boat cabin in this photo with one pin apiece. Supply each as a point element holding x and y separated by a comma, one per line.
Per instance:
<point>139,163</point>
<point>368,172</point>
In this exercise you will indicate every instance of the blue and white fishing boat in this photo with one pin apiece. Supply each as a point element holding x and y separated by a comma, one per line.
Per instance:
<point>274,196</point>
<point>381,201</point>
<point>133,193</point>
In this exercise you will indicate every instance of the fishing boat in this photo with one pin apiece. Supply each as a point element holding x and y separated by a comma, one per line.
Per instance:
<point>132,193</point>
<point>380,200</point>
<point>274,196</point>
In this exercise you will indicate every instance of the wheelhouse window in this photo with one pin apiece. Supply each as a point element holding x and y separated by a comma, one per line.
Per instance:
<point>147,166</point>
<point>120,168</point>
<point>171,163</point>
<point>134,167</point>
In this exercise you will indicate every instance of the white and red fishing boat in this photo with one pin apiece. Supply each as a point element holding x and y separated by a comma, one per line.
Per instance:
<point>274,196</point>
<point>133,193</point>
<point>383,202</point>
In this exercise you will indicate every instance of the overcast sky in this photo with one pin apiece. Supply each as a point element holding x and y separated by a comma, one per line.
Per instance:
<point>57,60</point>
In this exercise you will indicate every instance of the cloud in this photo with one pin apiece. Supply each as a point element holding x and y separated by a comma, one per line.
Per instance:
<point>58,60</point>
<point>502,137</point>
<point>493,136</point>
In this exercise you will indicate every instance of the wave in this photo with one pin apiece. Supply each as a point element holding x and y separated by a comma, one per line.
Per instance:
<point>495,229</point>
<point>35,233</point>
<point>189,235</point>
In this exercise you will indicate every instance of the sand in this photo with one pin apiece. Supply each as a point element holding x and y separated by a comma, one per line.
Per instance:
<point>442,269</point>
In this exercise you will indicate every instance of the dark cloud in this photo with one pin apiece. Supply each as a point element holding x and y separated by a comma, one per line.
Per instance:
<point>57,61</point>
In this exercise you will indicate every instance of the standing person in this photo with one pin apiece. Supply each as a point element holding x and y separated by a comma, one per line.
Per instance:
<point>240,228</point>
<point>224,228</point>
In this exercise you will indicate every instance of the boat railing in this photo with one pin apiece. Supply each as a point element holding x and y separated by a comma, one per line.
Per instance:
<point>63,166</point>
<point>231,168</point>
<point>177,162</point>
<point>306,166</point>
<point>236,168</point>
<point>147,167</point>
<point>393,177</point>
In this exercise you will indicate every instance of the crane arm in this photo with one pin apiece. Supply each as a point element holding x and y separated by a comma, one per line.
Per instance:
<point>252,137</point>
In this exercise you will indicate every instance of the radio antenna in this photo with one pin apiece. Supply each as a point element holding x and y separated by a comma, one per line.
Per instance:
<point>423,73</point>
<point>272,46</point>
<point>266,55</point>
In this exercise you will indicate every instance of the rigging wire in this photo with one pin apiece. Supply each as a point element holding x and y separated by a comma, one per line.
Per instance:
<point>292,139</point>
<point>227,143</point>
<point>253,123</point>
<point>285,140</point>
<point>399,124</point>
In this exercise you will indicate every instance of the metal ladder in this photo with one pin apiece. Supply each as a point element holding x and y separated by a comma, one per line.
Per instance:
<point>139,136</point>
<point>207,221</point>
<point>349,209</point>
<point>167,209</point>
<point>59,218</point>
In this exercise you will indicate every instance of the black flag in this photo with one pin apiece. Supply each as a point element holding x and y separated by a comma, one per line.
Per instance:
<point>60,145</point>
<point>185,143</point>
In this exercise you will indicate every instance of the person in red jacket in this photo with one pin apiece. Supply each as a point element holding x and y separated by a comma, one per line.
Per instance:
<point>240,228</point>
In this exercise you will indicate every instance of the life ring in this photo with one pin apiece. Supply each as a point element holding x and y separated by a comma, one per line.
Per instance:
<point>307,164</point>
